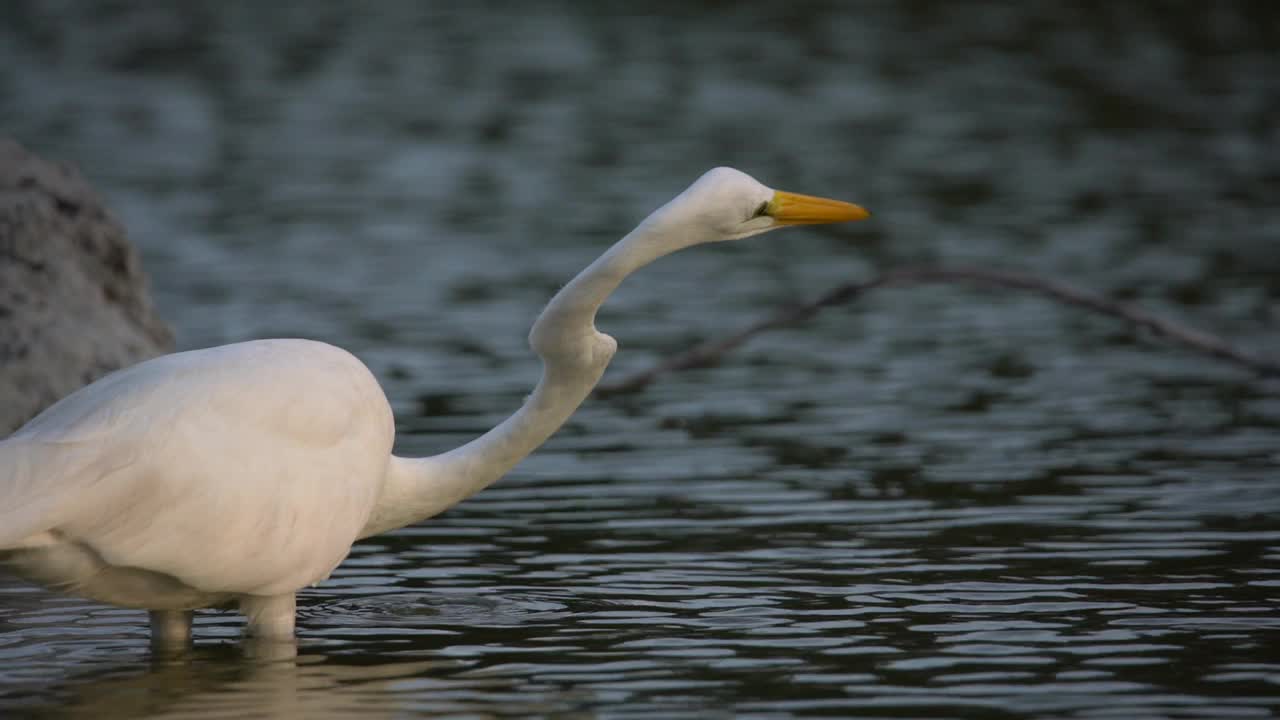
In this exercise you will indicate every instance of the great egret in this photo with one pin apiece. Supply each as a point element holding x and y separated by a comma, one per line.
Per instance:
<point>242,473</point>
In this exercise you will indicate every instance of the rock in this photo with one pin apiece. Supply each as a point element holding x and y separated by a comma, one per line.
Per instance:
<point>73,297</point>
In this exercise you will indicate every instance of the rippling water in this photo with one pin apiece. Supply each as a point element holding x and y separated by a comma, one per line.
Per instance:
<point>939,502</point>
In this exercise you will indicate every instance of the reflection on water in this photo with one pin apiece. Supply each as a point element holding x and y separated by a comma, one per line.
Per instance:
<point>939,503</point>
<point>232,681</point>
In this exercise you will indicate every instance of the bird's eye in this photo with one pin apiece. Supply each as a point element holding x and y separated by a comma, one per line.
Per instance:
<point>761,211</point>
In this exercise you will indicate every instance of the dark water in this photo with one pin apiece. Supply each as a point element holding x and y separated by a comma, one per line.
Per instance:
<point>938,502</point>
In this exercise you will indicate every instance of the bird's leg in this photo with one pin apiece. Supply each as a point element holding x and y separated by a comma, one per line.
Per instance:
<point>170,629</point>
<point>270,618</point>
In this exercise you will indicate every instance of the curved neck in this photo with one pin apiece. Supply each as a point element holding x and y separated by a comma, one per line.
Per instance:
<point>574,356</point>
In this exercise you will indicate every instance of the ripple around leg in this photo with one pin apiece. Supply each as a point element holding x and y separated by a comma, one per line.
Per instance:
<point>432,610</point>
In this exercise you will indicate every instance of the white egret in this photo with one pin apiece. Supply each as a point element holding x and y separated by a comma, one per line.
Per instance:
<point>242,473</point>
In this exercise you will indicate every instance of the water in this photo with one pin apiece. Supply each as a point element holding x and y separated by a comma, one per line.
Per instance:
<point>938,502</point>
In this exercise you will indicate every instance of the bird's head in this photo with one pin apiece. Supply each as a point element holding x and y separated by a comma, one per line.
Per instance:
<point>728,204</point>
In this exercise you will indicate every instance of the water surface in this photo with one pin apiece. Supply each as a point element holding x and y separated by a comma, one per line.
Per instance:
<point>938,502</point>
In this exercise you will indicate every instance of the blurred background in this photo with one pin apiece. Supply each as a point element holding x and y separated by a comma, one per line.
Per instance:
<point>939,499</point>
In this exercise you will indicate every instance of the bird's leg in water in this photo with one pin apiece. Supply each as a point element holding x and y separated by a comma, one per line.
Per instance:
<point>270,618</point>
<point>171,629</point>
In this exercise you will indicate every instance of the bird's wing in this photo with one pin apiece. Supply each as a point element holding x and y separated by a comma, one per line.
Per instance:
<point>228,468</point>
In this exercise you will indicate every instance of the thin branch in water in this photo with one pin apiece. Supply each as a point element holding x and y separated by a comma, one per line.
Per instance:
<point>709,353</point>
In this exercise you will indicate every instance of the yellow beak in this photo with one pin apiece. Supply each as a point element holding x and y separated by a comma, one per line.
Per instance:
<point>795,209</point>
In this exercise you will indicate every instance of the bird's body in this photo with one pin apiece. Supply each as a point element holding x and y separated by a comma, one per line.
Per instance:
<point>225,452</point>
<point>244,472</point>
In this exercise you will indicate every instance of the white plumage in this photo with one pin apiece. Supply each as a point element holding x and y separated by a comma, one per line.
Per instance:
<point>205,467</point>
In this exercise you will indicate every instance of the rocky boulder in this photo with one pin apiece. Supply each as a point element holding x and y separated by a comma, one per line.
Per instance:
<point>73,296</point>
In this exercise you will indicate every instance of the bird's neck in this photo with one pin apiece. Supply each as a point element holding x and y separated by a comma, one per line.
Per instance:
<point>574,356</point>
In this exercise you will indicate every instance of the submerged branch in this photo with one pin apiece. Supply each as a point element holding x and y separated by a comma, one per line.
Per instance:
<point>708,353</point>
